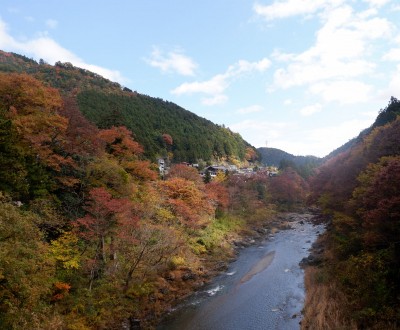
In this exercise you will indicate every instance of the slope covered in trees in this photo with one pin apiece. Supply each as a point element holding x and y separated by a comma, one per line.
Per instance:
<point>108,104</point>
<point>359,190</point>
<point>149,118</point>
<point>64,76</point>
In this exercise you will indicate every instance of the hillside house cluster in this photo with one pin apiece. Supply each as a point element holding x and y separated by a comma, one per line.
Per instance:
<point>161,166</point>
<point>213,170</point>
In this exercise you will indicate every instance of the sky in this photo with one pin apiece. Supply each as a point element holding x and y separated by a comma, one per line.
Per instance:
<point>304,76</point>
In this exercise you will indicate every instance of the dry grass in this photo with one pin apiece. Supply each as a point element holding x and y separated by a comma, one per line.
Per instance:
<point>324,306</point>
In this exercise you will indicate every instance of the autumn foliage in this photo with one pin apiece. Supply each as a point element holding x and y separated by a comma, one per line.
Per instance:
<point>92,237</point>
<point>89,232</point>
<point>359,190</point>
<point>119,143</point>
<point>289,188</point>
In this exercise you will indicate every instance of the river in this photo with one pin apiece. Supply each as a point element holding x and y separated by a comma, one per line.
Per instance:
<point>262,289</point>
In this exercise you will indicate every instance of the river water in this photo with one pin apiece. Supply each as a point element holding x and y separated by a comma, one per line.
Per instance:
<point>262,289</point>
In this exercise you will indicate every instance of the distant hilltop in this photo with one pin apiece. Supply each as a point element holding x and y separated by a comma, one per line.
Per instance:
<point>304,165</point>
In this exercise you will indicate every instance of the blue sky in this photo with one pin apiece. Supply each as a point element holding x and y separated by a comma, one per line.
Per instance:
<point>304,76</point>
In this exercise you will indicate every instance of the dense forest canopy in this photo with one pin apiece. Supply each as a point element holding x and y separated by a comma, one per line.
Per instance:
<point>149,118</point>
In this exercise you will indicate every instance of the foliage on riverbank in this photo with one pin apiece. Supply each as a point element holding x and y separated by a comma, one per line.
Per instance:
<point>326,307</point>
<point>90,236</point>
<point>359,191</point>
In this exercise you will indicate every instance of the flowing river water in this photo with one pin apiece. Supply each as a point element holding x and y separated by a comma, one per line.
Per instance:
<point>262,289</point>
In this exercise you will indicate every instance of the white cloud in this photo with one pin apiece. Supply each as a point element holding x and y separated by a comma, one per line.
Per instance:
<point>328,138</point>
<point>371,115</point>
<point>343,50</point>
<point>265,133</point>
<point>51,23</point>
<point>392,55</point>
<point>259,131</point>
<point>280,56</point>
<point>243,66</point>
<point>45,48</point>
<point>320,141</point>
<point>284,9</point>
<point>175,61</point>
<point>395,81</point>
<point>300,74</point>
<point>344,35</point>
<point>5,39</point>
<point>250,109</point>
<point>215,100</point>
<point>340,133</point>
<point>377,3</point>
<point>368,13</point>
<point>285,135</point>
<point>217,85</point>
<point>280,135</point>
<point>393,88</point>
<point>310,109</point>
<point>344,91</point>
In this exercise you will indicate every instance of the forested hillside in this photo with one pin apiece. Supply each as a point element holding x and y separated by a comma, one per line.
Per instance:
<point>162,127</point>
<point>359,189</point>
<point>150,119</point>
<point>304,165</point>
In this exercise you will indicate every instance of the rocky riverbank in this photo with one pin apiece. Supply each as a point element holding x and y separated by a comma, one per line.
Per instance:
<point>267,265</point>
<point>177,284</point>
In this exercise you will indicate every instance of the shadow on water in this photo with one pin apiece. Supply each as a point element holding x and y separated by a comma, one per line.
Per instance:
<point>262,289</point>
<point>259,267</point>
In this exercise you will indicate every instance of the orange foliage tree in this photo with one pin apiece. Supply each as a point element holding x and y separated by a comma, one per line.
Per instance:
<point>119,142</point>
<point>378,200</point>
<point>104,213</point>
<point>251,154</point>
<point>33,109</point>
<point>185,172</point>
<point>217,194</point>
<point>288,188</point>
<point>189,204</point>
<point>82,135</point>
<point>168,139</point>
